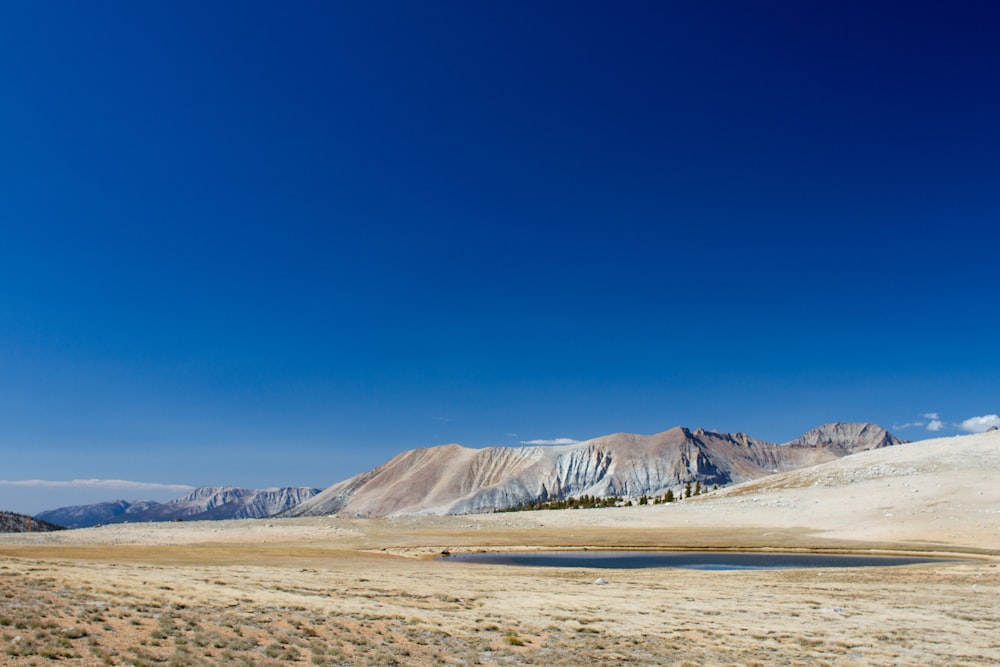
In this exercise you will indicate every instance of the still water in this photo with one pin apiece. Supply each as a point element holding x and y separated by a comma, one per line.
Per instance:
<point>691,560</point>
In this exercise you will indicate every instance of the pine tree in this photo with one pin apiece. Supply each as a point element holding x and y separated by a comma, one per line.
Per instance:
<point>669,497</point>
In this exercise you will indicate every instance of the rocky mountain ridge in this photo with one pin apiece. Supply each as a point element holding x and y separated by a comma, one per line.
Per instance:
<point>451,479</point>
<point>204,503</point>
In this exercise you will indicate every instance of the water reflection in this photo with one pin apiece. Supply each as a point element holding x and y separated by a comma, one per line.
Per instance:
<point>692,560</point>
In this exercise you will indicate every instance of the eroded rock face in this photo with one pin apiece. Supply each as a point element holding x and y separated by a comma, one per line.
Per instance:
<point>451,479</point>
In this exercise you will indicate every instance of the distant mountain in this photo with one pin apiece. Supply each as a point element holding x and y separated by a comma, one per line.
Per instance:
<point>849,438</point>
<point>228,502</point>
<point>11,522</point>
<point>451,479</point>
<point>204,503</point>
<point>82,516</point>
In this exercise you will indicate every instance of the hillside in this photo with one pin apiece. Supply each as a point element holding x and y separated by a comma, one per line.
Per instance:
<point>940,491</point>
<point>11,522</point>
<point>452,479</point>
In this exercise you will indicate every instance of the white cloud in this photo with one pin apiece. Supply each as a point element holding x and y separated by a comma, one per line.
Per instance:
<point>554,441</point>
<point>980,424</point>
<point>96,484</point>
<point>900,427</point>
<point>934,423</point>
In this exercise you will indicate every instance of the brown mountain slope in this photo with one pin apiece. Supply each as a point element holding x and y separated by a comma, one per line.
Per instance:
<point>451,479</point>
<point>12,522</point>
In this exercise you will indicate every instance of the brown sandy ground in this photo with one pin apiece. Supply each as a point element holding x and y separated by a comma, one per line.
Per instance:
<point>363,592</point>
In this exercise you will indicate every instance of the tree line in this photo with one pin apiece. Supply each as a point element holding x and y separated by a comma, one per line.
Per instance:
<point>591,502</point>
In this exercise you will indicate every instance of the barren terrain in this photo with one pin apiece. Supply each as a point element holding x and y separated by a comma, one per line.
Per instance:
<point>338,590</point>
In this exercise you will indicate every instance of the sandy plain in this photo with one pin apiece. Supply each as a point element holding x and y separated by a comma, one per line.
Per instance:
<point>359,591</point>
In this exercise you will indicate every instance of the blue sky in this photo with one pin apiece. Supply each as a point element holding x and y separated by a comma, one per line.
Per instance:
<point>274,244</point>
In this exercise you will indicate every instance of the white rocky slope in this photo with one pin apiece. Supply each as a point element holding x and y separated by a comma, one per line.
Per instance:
<point>451,479</point>
<point>940,491</point>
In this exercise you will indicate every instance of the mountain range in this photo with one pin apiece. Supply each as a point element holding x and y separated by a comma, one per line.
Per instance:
<point>451,479</point>
<point>204,503</point>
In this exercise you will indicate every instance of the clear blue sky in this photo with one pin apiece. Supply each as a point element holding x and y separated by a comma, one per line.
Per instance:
<point>274,244</point>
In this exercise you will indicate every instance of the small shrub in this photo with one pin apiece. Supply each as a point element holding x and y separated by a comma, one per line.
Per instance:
<point>512,639</point>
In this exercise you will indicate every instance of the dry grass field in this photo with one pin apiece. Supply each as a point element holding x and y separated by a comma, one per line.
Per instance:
<point>342,591</point>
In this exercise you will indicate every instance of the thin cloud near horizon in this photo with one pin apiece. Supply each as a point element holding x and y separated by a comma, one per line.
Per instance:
<point>96,484</point>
